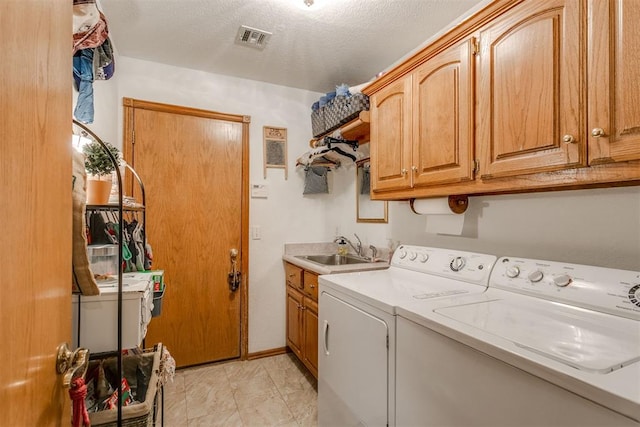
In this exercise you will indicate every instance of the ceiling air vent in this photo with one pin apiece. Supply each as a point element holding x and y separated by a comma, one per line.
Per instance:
<point>252,37</point>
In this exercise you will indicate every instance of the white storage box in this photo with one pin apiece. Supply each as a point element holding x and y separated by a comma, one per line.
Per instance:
<point>103,259</point>
<point>95,318</point>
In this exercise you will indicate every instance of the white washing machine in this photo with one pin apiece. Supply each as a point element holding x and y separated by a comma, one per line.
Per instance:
<point>548,344</point>
<point>356,354</point>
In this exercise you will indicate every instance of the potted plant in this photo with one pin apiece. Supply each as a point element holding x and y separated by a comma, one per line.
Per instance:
<point>99,169</point>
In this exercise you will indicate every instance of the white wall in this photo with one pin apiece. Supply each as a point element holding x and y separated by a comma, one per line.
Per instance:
<point>600,227</point>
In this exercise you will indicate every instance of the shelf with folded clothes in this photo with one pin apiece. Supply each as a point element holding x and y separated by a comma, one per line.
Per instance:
<point>331,152</point>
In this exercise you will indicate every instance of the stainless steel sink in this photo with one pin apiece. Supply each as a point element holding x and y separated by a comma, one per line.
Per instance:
<point>334,259</point>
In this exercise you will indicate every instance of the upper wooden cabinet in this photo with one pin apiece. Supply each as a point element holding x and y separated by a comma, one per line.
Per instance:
<point>530,90</point>
<point>422,124</point>
<point>614,75</point>
<point>443,131</point>
<point>391,136</point>
<point>546,100</point>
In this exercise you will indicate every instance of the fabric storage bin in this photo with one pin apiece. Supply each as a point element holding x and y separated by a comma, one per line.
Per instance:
<point>317,122</point>
<point>344,109</point>
<point>134,367</point>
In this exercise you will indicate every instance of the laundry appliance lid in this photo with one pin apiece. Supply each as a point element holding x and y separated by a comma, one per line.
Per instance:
<point>584,339</point>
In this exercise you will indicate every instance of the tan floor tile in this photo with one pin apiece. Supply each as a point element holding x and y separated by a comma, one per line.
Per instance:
<point>204,398</point>
<point>274,391</point>
<point>175,386</point>
<point>175,410</point>
<point>228,419</point>
<point>271,412</point>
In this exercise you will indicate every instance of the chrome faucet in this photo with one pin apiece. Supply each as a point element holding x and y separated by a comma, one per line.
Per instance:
<point>374,252</point>
<point>357,247</point>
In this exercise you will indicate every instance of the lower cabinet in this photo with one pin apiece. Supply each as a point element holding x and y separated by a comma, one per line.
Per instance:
<point>302,316</point>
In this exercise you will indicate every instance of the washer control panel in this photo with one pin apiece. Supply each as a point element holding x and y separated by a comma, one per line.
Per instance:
<point>603,289</point>
<point>466,266</point>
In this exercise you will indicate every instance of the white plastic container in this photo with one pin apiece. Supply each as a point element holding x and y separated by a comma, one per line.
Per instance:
<point>103,259</point>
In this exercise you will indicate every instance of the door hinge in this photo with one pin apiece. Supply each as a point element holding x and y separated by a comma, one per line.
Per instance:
<point>475,49</point>
<point>133,137</point>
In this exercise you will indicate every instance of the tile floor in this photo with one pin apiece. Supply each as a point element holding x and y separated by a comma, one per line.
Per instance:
<point>272,391</point>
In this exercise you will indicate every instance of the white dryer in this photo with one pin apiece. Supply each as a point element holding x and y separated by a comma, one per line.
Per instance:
<point>548,344</point>
<point>356,354</point>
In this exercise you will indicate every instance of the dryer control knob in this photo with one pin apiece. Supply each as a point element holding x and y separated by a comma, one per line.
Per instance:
<point>413,256</point>
<point>562,280</point>
<point>535,276</point>
<point>513,271</point>
<point>424,258</point>
<point>403,254</point>
<point>457,263</point>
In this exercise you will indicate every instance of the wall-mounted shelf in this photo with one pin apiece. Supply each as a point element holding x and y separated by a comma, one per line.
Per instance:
<point>356,129</point>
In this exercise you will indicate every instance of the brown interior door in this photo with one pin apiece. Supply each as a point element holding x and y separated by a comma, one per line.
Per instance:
<point>35,210</point>
<point>192,165</point>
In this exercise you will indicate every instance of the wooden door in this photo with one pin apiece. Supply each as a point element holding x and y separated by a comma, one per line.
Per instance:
<point>614,73</point>
<point>35,210</point>
<point>194,167</point>
<point>530,92</point>
<point>443,125</point>
<point>391,136</point>
<point>294,321</point>
<point>310,314</point>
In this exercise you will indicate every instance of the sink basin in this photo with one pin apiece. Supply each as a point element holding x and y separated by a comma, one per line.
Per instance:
<point>334,259</point>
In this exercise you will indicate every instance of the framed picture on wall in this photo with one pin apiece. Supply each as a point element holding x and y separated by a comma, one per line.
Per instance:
<point>275,149</point>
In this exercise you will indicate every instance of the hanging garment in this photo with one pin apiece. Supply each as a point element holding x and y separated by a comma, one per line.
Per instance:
<point>365,187</point>
<point>83,78</point>
<point>103,61</point>
<point>315,180</point>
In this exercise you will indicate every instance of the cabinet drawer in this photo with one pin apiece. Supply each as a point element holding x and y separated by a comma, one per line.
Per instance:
<point>293,276</point>
<point>311,285</point>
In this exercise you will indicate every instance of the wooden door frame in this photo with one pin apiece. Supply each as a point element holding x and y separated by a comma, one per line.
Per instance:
<point>129,105</point>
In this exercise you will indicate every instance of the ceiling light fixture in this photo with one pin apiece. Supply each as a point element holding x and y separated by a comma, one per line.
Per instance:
<point>308,3</point>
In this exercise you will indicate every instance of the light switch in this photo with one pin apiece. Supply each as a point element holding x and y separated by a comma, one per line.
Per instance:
<point>256,233</point>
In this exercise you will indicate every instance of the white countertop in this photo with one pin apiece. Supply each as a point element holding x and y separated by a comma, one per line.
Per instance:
<point>293,250</point>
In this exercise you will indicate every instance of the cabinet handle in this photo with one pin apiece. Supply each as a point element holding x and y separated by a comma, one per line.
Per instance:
<point>403,171</point>
<point>597,132</point>
<point>568,139</point>
<point>325,337</point>
<point>303,308</point>
<point>414,169</point>
<point>312,286</point>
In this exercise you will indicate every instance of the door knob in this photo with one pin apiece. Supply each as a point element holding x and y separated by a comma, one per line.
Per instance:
<point>71,364</point>
<point>234,277</point>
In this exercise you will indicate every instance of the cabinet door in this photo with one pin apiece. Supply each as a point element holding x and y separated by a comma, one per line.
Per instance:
<point>614,73</point>
<point>310,352</point>
<point>391,136</point>
<point>443,125</point>
<point>530,110</point>
<point>294,321</point>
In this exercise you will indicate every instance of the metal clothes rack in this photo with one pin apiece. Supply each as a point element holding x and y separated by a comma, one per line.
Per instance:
<point>121,211</point>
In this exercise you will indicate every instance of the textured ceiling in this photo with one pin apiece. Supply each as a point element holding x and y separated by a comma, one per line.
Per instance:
<point>333,42</point>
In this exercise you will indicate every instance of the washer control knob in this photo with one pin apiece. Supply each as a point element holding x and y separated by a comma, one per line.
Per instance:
<point>424,258</point>
<point>403,254</point>
<point>535,276</point>
<point>457,263</point>
<point>634,295</point>
<point>513,271</point>
<point>562,280</point>
<point>413,256</point>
